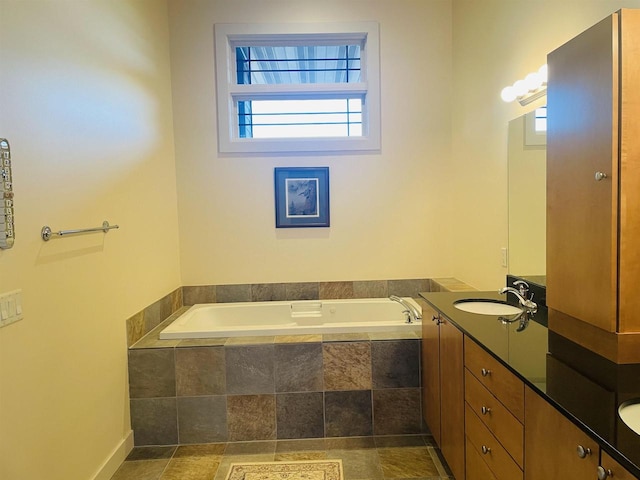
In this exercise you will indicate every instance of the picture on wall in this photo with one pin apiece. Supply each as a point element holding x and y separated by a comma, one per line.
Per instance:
<point>302,197</point>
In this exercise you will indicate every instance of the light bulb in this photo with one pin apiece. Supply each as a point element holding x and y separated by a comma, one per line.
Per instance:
<point>520,88</point>
<point>508,94</point>
<point>533,81</point>
<point>543,71</point>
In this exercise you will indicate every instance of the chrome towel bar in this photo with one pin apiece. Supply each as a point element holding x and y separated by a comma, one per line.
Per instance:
<point>47,232</point>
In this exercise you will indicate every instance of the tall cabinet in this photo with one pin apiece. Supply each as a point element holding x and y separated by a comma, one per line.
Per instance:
<point>593,188</point>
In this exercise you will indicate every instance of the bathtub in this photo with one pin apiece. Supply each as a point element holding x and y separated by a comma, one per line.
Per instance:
<point>213,320</point>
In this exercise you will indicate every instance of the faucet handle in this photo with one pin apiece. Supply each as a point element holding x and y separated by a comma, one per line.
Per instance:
<point>523,287</point>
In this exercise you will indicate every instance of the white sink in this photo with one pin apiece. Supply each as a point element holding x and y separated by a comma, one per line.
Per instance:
<point>486,307</point>
<point>630,414</point>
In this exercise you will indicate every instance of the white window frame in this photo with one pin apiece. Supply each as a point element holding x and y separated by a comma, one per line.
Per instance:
<point>229,36</point>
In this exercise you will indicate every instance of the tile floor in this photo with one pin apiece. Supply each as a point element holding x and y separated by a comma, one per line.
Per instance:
<point>363,458</point>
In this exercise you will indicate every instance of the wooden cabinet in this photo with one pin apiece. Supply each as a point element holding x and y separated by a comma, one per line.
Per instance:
<point>494,414</point>
<point>431,370</point>
<point>443,386</point>
<point>554,447</point>
<point>593,187</point>
<point>609,468</point>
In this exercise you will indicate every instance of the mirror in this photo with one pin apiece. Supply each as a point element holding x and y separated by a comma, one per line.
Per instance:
<point>527,169</point>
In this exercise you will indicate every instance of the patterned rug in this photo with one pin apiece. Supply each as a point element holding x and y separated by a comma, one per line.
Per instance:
<point>287,470</point>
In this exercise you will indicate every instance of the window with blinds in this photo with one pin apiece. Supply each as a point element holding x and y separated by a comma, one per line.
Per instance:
<point>304,91</point>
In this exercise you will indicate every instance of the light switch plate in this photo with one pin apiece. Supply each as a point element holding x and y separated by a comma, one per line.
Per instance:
<point>10,307</point>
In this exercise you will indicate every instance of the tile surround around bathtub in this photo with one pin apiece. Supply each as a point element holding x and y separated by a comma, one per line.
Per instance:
<point>203,390</point>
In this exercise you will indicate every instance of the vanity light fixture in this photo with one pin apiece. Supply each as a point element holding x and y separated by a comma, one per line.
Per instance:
<point>532,87</point>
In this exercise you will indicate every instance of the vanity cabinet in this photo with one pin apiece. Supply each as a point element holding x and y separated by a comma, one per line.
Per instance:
<point>555,448</point>
<point>609,468</point>
<point>443,386</point>
<point>494,415</point>
<point>593,188</point>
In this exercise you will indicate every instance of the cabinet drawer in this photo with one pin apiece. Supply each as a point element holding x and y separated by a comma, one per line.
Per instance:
<point>496,377</point>
<point>476,468</point>
<point>496,457</point>
<point>495,416</point>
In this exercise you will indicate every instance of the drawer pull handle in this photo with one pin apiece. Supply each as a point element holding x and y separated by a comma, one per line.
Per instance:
<point>485,372</point>
<point>485,410</point>
<point>603,473</point>
<point>583,452</point>
<point>485,449</point>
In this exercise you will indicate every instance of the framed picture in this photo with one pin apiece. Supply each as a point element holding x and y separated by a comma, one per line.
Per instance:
<point>302,197</point>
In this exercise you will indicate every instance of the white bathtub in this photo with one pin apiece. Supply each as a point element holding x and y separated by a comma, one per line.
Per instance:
<point>213,320</point>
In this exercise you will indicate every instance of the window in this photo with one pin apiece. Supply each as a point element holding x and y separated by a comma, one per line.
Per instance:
<point>535,127</point>
<point>297,88</point>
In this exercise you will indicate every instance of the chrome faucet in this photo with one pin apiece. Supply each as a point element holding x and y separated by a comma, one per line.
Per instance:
<point>521,295</point>
<point>413,314</point>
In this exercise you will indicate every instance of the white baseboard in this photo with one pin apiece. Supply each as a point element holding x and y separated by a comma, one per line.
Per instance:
<point>116,458</point>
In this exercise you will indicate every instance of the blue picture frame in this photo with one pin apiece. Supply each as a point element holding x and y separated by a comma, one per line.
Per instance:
<point>302,197</point>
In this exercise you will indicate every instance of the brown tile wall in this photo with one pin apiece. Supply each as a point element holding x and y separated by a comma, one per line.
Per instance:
<point>199,391</point>
<point>274,391</point>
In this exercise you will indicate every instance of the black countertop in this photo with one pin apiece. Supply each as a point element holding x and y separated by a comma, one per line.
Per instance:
<point>585,387</point>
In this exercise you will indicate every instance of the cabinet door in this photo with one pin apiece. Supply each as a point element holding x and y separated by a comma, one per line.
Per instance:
<point>452,397</point>
<point>613,469</point>
<point>551,444</point>
<point>582,139</point>
<point>431,370</point>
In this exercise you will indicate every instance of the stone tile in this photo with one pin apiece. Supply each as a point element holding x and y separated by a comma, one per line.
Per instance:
<point>151,453</point>
<point>348,414</point>
<point>335,290</point>
<point>208,450</point>
<point>152,373</point>
<point>407,462</point>
<point>233,293</point>
<point>267,292</point>
<point>415,334</point>
<point>298,338</point>
<point>359,464</point>
<point>371,289</point>
<point>350,443</point>
<point>400,441</point>
<point>300,415</point>
<point>250,369</point>
<point>199,294</point>
<point>347,366</point>
<point>408,288</point>
<point>156,313</point>
<point>345,337</point>
<point>135,328</point>
<point>175,299</point>
<point>251,340</point>
<point>302,291</point>
<point>300,445</point>
<point>395,364</point>
<point>298,367</point>
<point>154,421</point>
<point>200,371</point>
<point>152,340</point>
<point>202,342</point>
<point>191,468</point>
<point>202,419</point>
<point>438,460</point>
<point>251,417</point>
<point>251,448</point>
<point>397,411</point>
<point>141,470</point>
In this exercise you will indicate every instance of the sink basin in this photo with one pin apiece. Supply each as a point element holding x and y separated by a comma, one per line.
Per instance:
<point>630,414</point>
<point>486,307</point>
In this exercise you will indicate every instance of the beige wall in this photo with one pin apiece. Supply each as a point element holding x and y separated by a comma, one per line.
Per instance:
<point>389,211</point>
<point>85,102</point>
<point>496,42</point>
